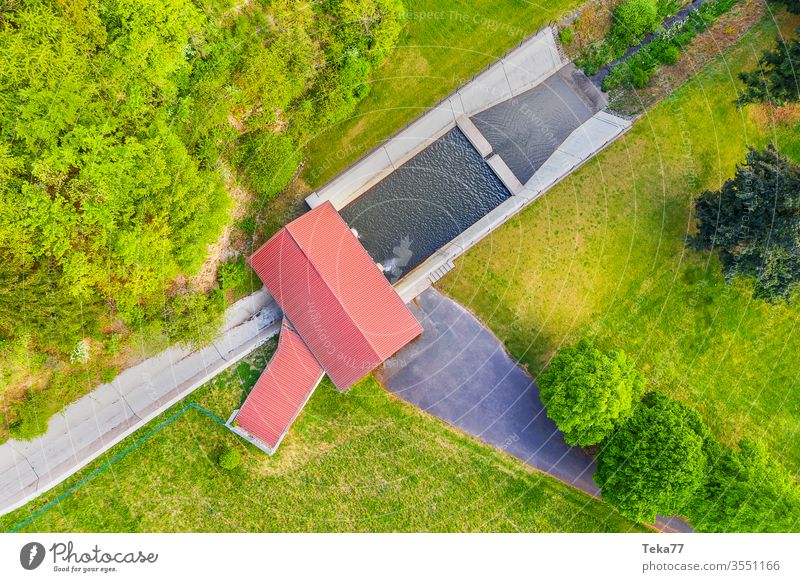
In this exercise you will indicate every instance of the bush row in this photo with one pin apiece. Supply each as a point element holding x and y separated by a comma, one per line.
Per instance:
<point>656,456</point>
<point>631,22</point>
<point>665,47</point>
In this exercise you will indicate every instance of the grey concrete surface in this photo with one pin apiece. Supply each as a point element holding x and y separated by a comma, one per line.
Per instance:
<point>502,171</point>
<point>93,424</point>
<point>580,145</point>
<point>526,129</point>
<point>459,371</point>
<point>474,136</point>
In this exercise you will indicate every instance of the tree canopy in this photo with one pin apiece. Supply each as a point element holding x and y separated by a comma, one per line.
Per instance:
<point>745,491</point>
<point>655,461</point>
<point>775,79</point>
<point>754,223</point>
<point>588,392</point>
<point>120,123</point>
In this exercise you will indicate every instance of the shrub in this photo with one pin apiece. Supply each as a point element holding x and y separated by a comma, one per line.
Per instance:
<point>667,54</point>
<point>566,36</point>
<point>232,275</point>
<point>268,160</point>
<point>587,392</point>
<point>230,459</point>
<point>31,415</point>
<point>248,225</point>
<point>194,318</point>
<point>632,20</point>
<point>745,491</point>
<point>639,77</point>
<point>655,461</point>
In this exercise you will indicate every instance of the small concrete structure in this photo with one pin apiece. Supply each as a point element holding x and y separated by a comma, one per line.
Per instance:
<point>94,423</point>
<point>474,136</point>
<point>505,174</point>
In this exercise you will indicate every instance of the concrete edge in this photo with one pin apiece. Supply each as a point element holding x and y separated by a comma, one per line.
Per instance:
<point>101,445</point>
<point>474,135</point>
<point>418,280</point>
<point>504,174</point>
<point>336,190</point>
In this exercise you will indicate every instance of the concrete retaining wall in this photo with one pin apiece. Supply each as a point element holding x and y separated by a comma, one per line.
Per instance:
<point>581,145</point>
<point>521,69</point>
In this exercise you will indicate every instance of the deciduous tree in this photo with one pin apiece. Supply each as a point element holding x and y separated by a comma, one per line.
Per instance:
<point>587,392</point>
<point>655,461</point>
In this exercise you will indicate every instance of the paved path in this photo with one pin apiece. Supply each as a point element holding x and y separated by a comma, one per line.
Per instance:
<point>460,372</point>
<point>93,424</point>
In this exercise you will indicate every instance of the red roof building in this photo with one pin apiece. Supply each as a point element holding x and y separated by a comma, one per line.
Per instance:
<point>343,313</point>
<point>280,392</point>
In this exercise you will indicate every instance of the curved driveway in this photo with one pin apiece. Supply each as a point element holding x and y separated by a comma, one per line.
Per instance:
<point>460,372</point>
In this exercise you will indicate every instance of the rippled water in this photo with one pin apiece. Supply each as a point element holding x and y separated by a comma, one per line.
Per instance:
<point>527,129</point>
<point>425,203</point>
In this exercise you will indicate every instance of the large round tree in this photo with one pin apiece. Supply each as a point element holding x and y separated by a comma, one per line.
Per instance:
<point>655,461</point>
<point>587,392</point>
<point>745,491</point>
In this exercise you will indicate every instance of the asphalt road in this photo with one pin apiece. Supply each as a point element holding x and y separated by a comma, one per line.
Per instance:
<point>460,372</point>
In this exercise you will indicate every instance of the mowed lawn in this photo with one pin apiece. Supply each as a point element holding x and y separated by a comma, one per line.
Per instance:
<point>442,46</point>
<point>363,461</point>
<point>602,255</point>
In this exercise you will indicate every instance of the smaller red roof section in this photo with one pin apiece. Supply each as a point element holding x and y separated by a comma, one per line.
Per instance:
<point>347,313</point>
<point>281,391</point>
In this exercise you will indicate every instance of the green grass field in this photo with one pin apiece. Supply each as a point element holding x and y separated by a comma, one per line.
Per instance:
<point>363,461</point>
<point>443,45</point>
<point>602,255</point>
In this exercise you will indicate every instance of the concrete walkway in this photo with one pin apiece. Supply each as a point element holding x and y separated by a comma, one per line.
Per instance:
<point>93,424</point>
<point>459,371</point>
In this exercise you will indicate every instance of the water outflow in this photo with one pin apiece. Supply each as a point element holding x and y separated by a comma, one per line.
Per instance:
<point>528,128</point>
<point>424,204</point>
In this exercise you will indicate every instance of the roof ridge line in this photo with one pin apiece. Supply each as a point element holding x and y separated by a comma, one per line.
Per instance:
<point>328,287</point>
<point>358,242</point>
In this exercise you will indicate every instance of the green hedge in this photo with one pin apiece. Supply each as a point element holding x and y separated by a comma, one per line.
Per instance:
<point>665,47</point>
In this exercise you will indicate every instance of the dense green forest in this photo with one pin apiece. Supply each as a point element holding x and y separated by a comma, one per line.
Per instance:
<point>124,126</point>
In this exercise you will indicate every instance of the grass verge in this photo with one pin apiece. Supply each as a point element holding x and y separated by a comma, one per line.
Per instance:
<point>363,461</point>
<point>442,47</point>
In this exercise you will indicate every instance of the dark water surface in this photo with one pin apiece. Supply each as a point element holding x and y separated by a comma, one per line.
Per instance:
<point>424,204</point>
<point>528,128</point>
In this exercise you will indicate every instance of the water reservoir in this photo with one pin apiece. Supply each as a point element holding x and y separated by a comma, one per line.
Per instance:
<point>424,204</point>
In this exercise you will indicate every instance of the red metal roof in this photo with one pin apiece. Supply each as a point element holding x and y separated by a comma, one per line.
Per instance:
<point>342,306</point>
<point>281,391</point>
